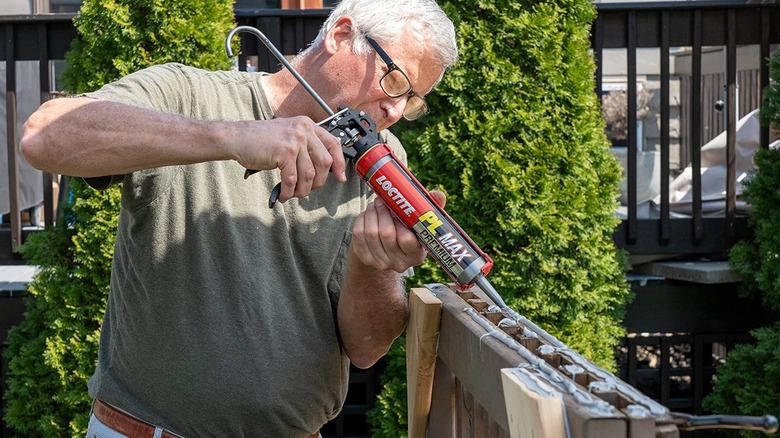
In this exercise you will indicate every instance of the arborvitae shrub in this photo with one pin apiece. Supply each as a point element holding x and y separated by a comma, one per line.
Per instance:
<point>747,383</point>
<point>53,352</point>
<point>515,138</point>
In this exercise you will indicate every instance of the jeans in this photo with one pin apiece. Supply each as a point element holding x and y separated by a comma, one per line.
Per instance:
<point>96,429</point>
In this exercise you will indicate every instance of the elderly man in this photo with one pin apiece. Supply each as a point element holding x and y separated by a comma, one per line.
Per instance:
<point>227,318</point>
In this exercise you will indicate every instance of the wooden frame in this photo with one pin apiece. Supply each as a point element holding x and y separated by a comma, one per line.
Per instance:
<point>513,381</point>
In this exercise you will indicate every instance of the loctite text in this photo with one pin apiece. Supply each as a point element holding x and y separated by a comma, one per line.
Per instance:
<point>395,195</point>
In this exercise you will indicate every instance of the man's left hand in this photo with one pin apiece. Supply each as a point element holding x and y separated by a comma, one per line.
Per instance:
<point>384,243</point>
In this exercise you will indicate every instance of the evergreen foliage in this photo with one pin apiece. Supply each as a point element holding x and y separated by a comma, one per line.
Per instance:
<point>515,138</point>
<point>53,352</point>
<point>746,384</point>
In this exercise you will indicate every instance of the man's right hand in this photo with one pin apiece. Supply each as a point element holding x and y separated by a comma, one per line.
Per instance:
<point>304,152</point>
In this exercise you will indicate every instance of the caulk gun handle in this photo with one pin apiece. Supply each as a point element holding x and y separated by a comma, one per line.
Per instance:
<point>274,196</point>
<point>275,192</point>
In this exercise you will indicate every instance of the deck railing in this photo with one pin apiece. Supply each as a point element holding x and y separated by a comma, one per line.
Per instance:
<point>41,39</point>
<point>686,44</point>
<point>44,39</point>
<point>680,32</point>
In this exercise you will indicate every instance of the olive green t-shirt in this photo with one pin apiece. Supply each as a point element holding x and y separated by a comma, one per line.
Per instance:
<point>221,318</point>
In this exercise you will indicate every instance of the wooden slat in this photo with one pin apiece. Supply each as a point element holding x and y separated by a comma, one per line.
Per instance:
<point>443,415</point>
<point>422,335</point>
<point>534,409</point>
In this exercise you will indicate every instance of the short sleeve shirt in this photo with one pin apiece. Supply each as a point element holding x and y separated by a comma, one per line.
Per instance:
<point>221,319</point>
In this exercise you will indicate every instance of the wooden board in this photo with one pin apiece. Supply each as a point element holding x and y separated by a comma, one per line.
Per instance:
<point>534,409</point>
<point>422,337</point>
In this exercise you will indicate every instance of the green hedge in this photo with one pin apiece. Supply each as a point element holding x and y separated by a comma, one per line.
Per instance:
<point>747,383</point>
<point>53,352</point>
<point>516,140</point>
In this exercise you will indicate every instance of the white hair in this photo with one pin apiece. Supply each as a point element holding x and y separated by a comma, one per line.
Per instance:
<point>387,20</point>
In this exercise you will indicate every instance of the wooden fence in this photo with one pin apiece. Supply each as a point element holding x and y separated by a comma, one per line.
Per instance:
<point>475,370</point>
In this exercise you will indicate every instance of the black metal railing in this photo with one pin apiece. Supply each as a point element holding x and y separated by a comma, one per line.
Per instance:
<point>46,38</point>
<point>692,28</point>
<point>631,27</point>
<point>28,38</point>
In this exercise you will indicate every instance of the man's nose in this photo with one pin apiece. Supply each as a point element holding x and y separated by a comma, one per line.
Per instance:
<point>396,108</point>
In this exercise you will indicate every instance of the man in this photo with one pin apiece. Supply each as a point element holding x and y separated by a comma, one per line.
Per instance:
<point>227,318</point>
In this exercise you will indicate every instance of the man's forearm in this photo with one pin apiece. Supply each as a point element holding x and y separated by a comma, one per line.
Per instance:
<point>372,312</point>
<point>86,137</point>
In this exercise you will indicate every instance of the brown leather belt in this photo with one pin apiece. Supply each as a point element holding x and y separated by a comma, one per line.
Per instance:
<point>124,423</point>
<point>128,425</point>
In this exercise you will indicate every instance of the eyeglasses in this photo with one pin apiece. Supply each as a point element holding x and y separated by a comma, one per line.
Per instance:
<point>395,83</point>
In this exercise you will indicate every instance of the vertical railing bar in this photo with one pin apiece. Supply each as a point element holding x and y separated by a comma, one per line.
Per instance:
<point>45,83</point>
<point>698,372</point>
<point>696,115</point>
<point>665,374</point>
<point>300,32</point>
<point>764,76</point>
<point>244,42</point>
<point>731,115</point>
<point>265,60</point>
<point>632,361</point>
<point>665,141</point>
<point>632,141</point>
<point>276,26</point>
<point>13,159</point>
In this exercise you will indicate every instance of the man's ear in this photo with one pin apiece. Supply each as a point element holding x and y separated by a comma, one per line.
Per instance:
<point>339,35</point>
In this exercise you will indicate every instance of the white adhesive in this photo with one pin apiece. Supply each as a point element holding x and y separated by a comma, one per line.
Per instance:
<point>595,405</point>
<point>573,370</point>
<point>625,389</point>
<point>555,346</point>
<point>601,386</point>
<point>636,411</point>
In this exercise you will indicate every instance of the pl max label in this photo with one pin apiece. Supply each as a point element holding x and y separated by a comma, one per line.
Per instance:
<point>443,242</point>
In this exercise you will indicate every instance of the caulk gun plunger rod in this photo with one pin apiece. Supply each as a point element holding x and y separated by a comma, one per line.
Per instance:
<point>261,36</point>
<point>483,283</point>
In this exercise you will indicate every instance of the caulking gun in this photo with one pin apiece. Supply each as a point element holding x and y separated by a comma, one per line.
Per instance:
<point>378,166</point>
